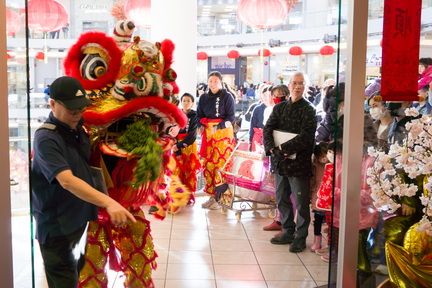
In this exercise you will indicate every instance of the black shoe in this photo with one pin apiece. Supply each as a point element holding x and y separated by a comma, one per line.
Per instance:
<point>284,238</point>
<point>298,245</point>
<point>152,210</point>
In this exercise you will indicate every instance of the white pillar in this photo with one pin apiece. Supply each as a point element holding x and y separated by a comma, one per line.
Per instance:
<point>177,21</point>
<point>352,143</point>
<point>6,273</point>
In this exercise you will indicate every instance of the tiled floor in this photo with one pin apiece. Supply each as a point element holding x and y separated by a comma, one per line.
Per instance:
<point>203,248</point>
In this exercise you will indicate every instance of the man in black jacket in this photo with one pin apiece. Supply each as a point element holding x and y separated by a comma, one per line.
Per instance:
<point>297,115</point>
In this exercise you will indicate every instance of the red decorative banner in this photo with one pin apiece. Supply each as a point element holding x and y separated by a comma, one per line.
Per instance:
<point>401,44</point>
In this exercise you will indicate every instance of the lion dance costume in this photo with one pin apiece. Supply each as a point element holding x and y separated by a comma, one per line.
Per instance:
<point>187,161</point>
<point>131,87</point>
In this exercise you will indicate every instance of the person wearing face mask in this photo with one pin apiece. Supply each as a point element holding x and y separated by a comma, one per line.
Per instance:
<point>280,93</point>
<point>325,196</point>
<point>383,119</point>
<point>332,125</point>
<point>215,114</point>
<point>257,119</point>
<point>319,160</point>
<point>185,150</point>
<point>332,105</point>
<point>318,102</point>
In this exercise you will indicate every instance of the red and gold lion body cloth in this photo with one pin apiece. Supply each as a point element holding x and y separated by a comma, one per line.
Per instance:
<point>133,93</point>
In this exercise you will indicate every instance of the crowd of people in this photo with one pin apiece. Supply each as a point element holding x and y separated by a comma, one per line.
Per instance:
<point>315,117</point>
<point>306,166</point>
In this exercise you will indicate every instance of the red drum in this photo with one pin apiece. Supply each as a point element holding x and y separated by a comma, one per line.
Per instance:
<point>250,166</point>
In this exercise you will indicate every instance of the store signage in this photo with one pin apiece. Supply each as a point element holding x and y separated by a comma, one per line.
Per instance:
<point>373,60</point>
<point>222,63</point>
<point>286,63</point>
<point>401,48</point>
<point>92,7</point>
<point>89,8</point>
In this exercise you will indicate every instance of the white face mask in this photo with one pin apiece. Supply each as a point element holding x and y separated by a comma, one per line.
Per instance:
<point>340,111</point>
<point>323,160</point>
<point>330,157</point>
<point>378,113</point>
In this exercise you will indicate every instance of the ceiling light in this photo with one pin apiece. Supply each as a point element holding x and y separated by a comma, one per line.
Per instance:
<point>207,6</point>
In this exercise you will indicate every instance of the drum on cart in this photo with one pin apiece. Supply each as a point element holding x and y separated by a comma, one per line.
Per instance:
<point>245,181</point>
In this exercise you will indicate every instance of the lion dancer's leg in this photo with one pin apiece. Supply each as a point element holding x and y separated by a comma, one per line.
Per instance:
<point>137,251</point>
<point>93,274</point>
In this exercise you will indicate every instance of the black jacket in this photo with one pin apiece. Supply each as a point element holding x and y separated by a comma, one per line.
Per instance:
<point>298,118</point>
<point>191,129</point>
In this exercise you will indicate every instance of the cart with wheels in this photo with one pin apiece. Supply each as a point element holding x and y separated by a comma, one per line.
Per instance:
<point>244,181</point>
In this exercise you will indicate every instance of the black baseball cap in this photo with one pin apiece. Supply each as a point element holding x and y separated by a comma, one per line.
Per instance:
<point>70,92</point>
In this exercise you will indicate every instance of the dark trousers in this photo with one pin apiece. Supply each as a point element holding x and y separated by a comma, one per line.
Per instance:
<point>300,189</point>
<point>318,220</point>
<point>63,258</point>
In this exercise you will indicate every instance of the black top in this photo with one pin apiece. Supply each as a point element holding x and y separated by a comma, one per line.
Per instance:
<point>299,118</point>
<point>257,120</point>
<point>191,129</point>
<point>217,106</point>
<point>56,210</point>
<point>397,131</point>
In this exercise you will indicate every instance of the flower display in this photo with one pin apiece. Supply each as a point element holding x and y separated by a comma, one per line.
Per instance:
<point>281,79</point>
<point>413,158</point>
<point>117,11</point>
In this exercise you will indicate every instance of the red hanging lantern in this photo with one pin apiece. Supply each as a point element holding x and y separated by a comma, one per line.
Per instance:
<point>327,50</point>
<point>381,42</point>
<point>40,56</point>
<point>233,54</point>
<point>262,14</point>
<point>266,52</point>
<point>139,11</point>
<point>13,23</point>
<point>46,15</point>
<point>295,51</point>
<point>202,56</point>
<point>10,54</point>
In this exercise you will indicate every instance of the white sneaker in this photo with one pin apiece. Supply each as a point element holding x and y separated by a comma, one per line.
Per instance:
<point>214,206</point>
<point>208,203</point>
<point>382,269</point>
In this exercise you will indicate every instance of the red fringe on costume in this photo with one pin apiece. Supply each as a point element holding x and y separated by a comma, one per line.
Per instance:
<point>98,118</point>
<point>72,62</point>
<point>187,168</point>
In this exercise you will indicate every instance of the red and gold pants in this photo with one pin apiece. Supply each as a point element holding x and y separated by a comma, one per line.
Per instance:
<point>220,146</point>
<point>134,244</point>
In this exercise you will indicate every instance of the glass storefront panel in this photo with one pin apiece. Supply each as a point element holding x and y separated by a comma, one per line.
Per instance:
<point>28,78</point>
<point>391,251</point>
<point>19,149</point>
<point>306,14</point>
